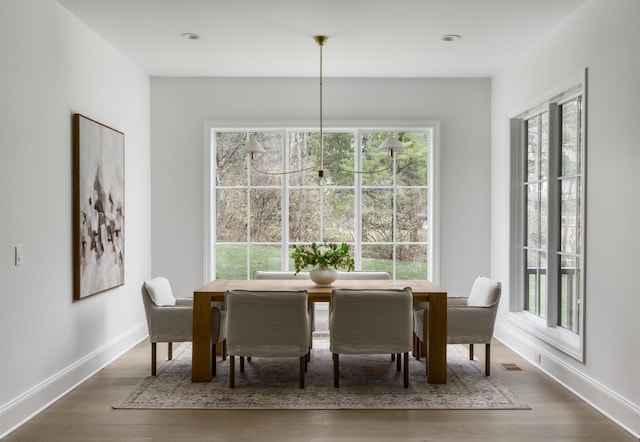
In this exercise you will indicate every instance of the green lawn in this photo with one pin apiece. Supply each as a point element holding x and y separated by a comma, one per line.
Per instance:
<point>231,263</point>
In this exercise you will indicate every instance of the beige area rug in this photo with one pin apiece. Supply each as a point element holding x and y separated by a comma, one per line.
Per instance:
<point>366,382</point>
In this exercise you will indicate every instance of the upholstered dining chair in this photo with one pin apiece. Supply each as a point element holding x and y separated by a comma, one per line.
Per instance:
<point>270,324</point>
<point>370,321</point>
<point>470,320</point>
<point>170,319</point>
<point>278,274</point>
<point>364,275</point>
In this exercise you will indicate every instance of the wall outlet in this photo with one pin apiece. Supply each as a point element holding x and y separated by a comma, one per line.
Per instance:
<point>19,255</point>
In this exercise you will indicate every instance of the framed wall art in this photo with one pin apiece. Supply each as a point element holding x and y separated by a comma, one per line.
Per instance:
<point>98,207</point>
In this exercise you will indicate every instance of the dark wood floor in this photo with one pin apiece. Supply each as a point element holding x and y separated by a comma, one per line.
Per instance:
<point>85,414</point>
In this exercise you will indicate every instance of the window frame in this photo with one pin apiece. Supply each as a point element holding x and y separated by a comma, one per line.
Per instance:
<point>210,128</point>
<point>547,329</point>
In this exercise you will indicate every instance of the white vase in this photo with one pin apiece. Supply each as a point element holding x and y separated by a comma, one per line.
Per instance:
<point>323,276</point>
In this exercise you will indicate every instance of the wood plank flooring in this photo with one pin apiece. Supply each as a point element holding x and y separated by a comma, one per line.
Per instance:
<point>85,414</point>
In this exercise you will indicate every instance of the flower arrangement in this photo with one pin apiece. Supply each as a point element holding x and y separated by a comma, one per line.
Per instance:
<point>323,255</point>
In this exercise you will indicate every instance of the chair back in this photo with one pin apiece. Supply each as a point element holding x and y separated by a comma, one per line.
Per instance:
<point>363,275</point>
<point>272,274</point>
<point>485,292</point>
<point>267,323</point>
<point>370,321</point>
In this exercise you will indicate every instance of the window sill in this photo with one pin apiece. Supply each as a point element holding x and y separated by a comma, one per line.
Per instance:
<point>559,338</point>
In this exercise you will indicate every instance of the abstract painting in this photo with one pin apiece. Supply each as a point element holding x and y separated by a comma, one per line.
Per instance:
<point>98,203</point>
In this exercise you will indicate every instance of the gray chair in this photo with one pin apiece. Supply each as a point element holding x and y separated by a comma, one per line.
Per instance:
<point>278,274</point>
<point>272,324</point>
<point>370,322</point>
<point>366,275</point>
<point>470,320</point>
<point>170,320</point>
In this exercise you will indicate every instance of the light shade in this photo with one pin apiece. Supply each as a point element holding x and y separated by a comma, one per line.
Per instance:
<point>391,144</point>
<point>251,147</point>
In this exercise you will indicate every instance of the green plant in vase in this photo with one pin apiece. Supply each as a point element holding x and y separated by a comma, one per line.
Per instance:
<point>323,259</point>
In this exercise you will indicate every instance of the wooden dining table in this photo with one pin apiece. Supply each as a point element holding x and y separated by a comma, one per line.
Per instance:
<point>423,291</point>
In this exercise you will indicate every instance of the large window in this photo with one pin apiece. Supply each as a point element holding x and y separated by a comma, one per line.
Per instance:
<point>257,213</point>
<point>548,213</point>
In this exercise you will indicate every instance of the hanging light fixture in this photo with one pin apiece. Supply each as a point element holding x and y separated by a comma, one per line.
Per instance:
<point>390,144</point>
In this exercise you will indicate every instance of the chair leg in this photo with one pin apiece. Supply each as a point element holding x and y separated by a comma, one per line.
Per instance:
<point>406,369</point>
<point>487,360</point>
<point>232,371</point>
<point>471,352</point>
<point>213,358</point>
<point>153,359</point>
<point>398,361</point>
<point>416,348</point>
<point>170,350</point>
<point>224,349</point>
<point>393,356</point>
<point>336,370</point>
<point>303,365</point>
<point>241,363</point>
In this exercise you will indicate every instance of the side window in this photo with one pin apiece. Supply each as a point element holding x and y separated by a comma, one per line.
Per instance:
<point>548,176</point>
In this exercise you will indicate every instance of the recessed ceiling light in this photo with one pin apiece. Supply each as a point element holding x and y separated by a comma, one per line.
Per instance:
<point>450,37</point>
<point>190,36</point>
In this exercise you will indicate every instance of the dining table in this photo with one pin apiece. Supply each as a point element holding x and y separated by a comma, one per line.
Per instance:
<point>423,291</point>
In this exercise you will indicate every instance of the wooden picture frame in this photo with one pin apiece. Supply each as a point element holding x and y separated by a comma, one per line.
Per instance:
<point>98,207</point>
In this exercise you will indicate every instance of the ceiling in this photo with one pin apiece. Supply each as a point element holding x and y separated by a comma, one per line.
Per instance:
<point>367,38</point>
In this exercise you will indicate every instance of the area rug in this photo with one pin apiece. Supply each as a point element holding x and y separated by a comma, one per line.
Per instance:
<point>366,382</point>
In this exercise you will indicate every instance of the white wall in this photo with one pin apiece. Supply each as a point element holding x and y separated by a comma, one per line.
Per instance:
<point>53,66</point>
<point>602,35</point>
<point>180,106</point>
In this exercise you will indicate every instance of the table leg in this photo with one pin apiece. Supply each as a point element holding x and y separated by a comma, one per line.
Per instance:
<point>201,348</point>
<point>437,339</point>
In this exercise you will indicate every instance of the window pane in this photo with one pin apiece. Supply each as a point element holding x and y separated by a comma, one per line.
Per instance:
<point>411,262</point>
<point>339,224</point>
<point>569,292</point>
<point>533,149</point>
<point>533,215</point>
<point>377,257</point>
<point>339,164</point>
<point>536,283</point>
<point>377,215</point>
<point>411,213</point>
<point>570,221</point>
<point>304,215</point>
<point>266,215</point>
<point>270,161</point>
<point>265,257</point>
<point>230,163</point>
<point>231,215</point>
<point>544,145</point>
<point>413,163</point>
<point>372,160</point>
<point>304,151</point>
<point>544,215</point>
<point>231,261</point>
<point>570,138</point>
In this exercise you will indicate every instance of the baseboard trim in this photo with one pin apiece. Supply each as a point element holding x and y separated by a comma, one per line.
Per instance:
<point>15,413</point>
<point>608,402</point>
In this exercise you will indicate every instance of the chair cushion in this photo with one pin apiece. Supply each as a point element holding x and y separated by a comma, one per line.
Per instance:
<point>160,291</point>
<point>484,292</point>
